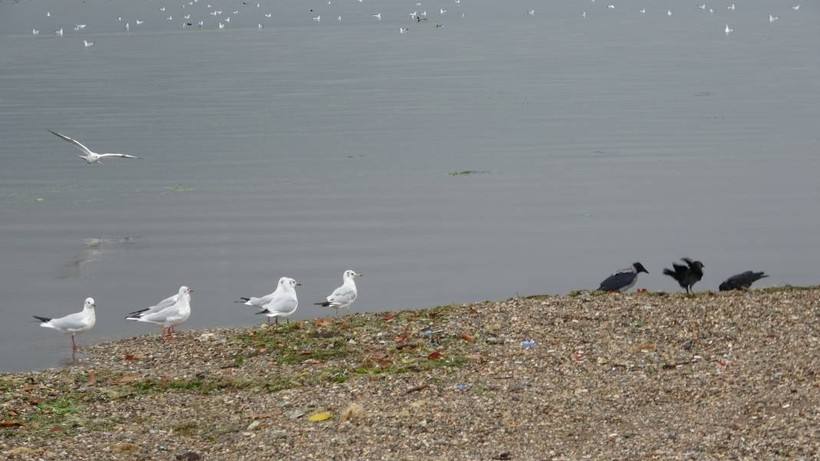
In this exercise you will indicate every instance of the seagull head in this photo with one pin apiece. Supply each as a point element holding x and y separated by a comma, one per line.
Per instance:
<point>639,268</point>
<point>89,303</point>
<point>349,274</point>
<point>286,282</point>
<point>183,290</point>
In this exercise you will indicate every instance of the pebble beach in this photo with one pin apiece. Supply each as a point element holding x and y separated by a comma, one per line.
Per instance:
<point>587,375</point>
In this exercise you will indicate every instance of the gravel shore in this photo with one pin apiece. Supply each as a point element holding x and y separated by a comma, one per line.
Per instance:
<point>583,376</point>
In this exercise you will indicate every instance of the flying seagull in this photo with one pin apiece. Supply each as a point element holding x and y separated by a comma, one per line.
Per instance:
<point>741,281</point>
<point>90,156</point>
<point>686,275</point>
<point>283,302</point>
<point>72,324</point>
<point>343,296</point>
<point>623,279</point>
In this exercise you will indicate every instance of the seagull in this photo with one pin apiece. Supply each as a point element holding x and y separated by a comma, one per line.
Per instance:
<point>140,21</point>
<point>442,11</point>
<point>378,16</point>
<point>127,26</point>
<point>686,275</point>
<point>170,316</point>
<point>165,303</point>
<point>282,302</point>
<point>773,18</point>
<point>584,14</point>
<point>728,30</point>
<point>90,157</point>
<point>87,45</point>
<point>72,324</point>
<point>260,26</point>
<point>403,30</point>
<point>48,13</point>
<point>731,7</point>
<point>623,279</point>
<point>267,15</point>
<point>669,12</point>
<point>642,11</point>
<point>343,296</point>
<point>742,281</point>
<point>221,26</point>
<point>702,6</point>
<point>35,32</point>
<point>531,12</point>
<point>59,32</point>
<point>796,7</point>
<point>611,7</point>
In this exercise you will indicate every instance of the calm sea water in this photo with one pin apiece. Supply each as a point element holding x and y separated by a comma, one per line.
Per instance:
<point>307,148</point>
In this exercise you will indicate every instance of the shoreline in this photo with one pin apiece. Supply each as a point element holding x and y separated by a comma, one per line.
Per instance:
<point>635,375</point>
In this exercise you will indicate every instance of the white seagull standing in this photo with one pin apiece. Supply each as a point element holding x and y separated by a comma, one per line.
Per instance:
<point>728,30</point>
<point>165,303</point>
<point>170,316</point>
<point>72,324</point>
<point>90,156</point>
<point>282,302</point>
<point>343,296</point>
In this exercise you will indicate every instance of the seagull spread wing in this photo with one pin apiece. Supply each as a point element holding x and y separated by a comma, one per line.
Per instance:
<point>118,155</point>
<point>73,141</point>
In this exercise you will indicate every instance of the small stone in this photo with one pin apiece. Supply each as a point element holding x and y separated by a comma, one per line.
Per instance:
<point>254,425</point>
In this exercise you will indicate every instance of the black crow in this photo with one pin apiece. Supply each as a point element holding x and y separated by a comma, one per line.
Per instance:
<point>741,281</point>
<point>686,275</point>
<point>623,279</point>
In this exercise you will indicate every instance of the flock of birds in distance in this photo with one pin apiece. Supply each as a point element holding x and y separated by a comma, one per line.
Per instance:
<point>221,19</point>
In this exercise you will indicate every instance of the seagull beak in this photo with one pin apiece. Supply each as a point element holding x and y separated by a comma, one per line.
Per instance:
<point>298,284</point>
